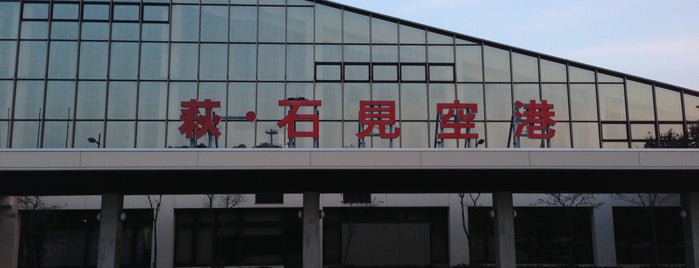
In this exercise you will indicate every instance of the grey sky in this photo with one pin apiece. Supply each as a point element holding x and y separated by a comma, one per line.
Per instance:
<point>653,39</point>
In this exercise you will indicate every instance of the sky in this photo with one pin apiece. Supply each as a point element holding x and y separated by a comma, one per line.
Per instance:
<point>652,39</point>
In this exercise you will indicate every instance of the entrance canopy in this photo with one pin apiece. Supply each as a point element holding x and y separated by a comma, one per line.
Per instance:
<point>198,171</point>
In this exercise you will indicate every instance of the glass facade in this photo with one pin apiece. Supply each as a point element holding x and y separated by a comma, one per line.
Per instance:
<point>120,70</point>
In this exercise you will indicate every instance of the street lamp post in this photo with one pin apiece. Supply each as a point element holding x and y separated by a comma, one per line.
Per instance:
<point>96,141</point>
<point>271,133</point>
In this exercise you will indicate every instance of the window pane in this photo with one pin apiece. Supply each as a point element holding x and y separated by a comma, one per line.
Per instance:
<point>585,135</point>
<point>124,61</point>
<point>412,73</point>
<point>156,13</point>
<point>299,25</point>
<point>583,102</point>
<point>152,102</point>
<point>411,35</point>
<point>185,23</point>
<point>328,72</point>
<point>581,75</point>
<point>93,60</point>
<point>383,32</point>
<point>184,62</point>
<point>557,95</point>
<point>268,98</point>
<point>126,12</point>
<point>328,53</point>
<point>328,24</point>
<point>35,30</point>
<point>91,100</point>
<point>331,96</point>
<point>155,32</point>
<point>151,135</point>
<point>272,24</point>
<point>443,54</point>
<point>56,134</point>
<point>213,62</point>
<point>29,99</point>
<point>498,102</point>
<point>179,92</point>
<point>640,101</point>
<point>35,11</point>
<point>243,61</point>
<point>438,38</point>
<point>469,64</point>
<point>59,99</point>
<point>65,11</point>
<point>614,131</point>
<point>241,98</point>
<point>299,63</point>
<point>214,23</point>
<point>96,12</point>
<point>526,92</point>
<point>497,65</point>
<point>154,57</point>
<point>269,67</point>
<point>9,19</point>
<point>669,104</point>
<point>552,71</point>
<point>357,73</point>
<point>353,93</point>
<point>385,73</point>
<point>243,24</point>
<point>95,31</point>
<point>413,104</point>
<point>119,135</point>
<point>611,102</point>
<point>356,53</point>
<point>471,93</point>
<point>441,73</point>
<point>64,30</point>
<point>524,68</point>
<point>7,58</point>
<point>384,53</point>
<point>355,28</point>
<point>32,59</point>
<point>125,31</point>
<point>412,54</point>
<point>122,100</point>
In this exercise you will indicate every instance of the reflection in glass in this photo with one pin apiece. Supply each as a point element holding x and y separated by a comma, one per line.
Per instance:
<point>184,62</point>
<point>497,64</point>
<point>498,102</point>
<point>63,60</point>
<point>150,135</point>
<point>640,101</point>
<point>583,102</point>
<point>179,92</point>
<point>331,96</point>
<point>471,93</point>
<point>299,63</point>
<point>29,99</point>
<point>268,96</point>
<point>92,98</point>
<point>585,135</point>
<point>272,24</point>
<point>214,24</point>
<point>243,61</point>
<point>328,24</point>
<point>355,28</point>
<point>59,99</point>
<point>611,102</point>
<point>269,65</point>
<point>557,95</point>
<point>213,62</point>
<point>525,68</point>
<point>299,25</point>
<point>119,135</point>
<point>353,93</point>
<point>121,102</point>
<point>614,131</point>
<point>32,59</point>
<point>154,57</point>
<point>669,104</point>
<point>243,24</point>
<point>185,23</point>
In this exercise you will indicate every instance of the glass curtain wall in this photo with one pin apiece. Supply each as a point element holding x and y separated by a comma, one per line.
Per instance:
<point>115,74</point>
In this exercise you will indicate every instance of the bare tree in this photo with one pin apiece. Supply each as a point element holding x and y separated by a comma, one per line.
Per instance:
<point>225,201</point>
<point>569,200</point>
<point>39,215</point>
<point>155,206</point>
<point>357,212</point>
<point>649,201</point>
<point>474,202</point>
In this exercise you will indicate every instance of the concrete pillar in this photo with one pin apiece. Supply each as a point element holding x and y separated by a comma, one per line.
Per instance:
<point>690,205</point>
<point>166,233</point>
<point>603,242</point>
<point>9,233</point>
<point>110,231</point>
<point>311,231</point>
<point>504,230</point>
<point>458,242</point>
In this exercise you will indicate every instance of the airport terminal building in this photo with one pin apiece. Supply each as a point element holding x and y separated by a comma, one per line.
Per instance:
<point>306,133</point>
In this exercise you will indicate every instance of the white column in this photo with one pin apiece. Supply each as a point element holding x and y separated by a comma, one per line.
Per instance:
<point>505,256</point>
<point>458,242</point>
<point>9,233</point>
<point>690,205</point>
<point>603,242</point>
<point>311,231</point>
<point>110,231</point>
<point>166,233</point>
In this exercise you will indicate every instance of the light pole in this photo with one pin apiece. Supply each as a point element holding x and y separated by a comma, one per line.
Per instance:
<point>271,133</point>
<point>96,141</point>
